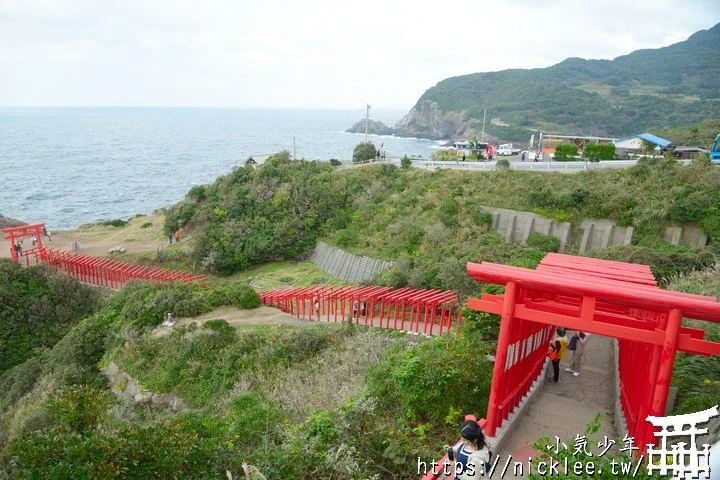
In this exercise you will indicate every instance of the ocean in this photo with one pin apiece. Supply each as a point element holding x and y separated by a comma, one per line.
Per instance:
<point>71,166</point>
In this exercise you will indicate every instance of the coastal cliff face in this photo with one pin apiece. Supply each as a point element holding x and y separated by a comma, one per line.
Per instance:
<point>428,121</point>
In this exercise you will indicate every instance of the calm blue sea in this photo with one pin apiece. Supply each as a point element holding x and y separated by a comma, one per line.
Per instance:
<point>70,166</point>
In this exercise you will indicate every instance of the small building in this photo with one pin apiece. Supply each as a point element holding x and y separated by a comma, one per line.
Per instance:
<point>641,143</point>
<point>688,153</point>
<point>257,160</point>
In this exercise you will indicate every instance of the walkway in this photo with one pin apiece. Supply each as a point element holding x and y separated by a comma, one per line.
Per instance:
<point>565,408</point>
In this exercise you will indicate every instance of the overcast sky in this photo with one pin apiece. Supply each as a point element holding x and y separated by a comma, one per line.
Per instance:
<point>325,54</point>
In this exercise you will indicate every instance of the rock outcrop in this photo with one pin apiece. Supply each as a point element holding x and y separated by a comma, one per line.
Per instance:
<point>374,127</point>
<point>428,121</point>
<point>6,222</point>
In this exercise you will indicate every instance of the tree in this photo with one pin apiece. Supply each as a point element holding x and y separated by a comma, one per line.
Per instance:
<point>405,162</point>
<point>566,152</point>
<point>364,151</point>
<point>335,162</point>
<point>596,152</point>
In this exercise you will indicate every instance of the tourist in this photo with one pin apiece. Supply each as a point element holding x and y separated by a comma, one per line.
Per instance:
<point>170,238</point>
<point>558,347</point>
<point>317,307</point>
<point>580,342</point>
<point>473,454</point>
<point>362,308</point>
<point>19,248</point>
<point>34,239</point>
<point>355,308</point>
<point>49,235</point>
<point>177,236</point>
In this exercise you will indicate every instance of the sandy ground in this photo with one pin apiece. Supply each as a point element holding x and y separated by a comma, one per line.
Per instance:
<point>241,318</point>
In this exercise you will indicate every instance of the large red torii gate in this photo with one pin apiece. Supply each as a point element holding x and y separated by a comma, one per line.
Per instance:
<point>614,299</point>
<point>608,298</point>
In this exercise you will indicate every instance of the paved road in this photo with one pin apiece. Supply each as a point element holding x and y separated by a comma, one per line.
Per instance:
<point>515,164</point>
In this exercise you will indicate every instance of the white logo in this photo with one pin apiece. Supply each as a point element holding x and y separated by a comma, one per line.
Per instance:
<point>678,460</point>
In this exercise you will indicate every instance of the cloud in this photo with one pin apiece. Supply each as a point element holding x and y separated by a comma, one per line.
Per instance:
<point>300,54</point>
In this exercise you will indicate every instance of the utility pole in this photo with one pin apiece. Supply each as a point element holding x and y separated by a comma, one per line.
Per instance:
<point>367,117</point>
<point>483,132</point>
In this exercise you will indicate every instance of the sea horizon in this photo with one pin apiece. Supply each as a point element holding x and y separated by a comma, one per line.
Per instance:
<point>74,165</point>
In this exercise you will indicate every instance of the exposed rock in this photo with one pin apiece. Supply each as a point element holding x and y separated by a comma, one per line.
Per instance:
<point>117,249</point>
<point>429,122</point>
<point>374,127</point>
<point>6,222</point>
<point>123,385</point>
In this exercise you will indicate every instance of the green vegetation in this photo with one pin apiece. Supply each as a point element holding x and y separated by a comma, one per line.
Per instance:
<point>596,152</point>
<point>431,223</point>
<point>114,223</point>
<point>405,162</point>
<point>387,398</point>
<point>699,135</point>
<point>697,377</point>
<point>566,152</point>
<point>363,152</point>
<point>39,307</point>
<point>628,95</point>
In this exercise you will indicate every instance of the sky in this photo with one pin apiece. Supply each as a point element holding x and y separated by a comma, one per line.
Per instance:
<point>306,54</point>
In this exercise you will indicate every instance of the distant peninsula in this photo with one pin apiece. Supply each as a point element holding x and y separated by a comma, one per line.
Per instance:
<point>659,89</point>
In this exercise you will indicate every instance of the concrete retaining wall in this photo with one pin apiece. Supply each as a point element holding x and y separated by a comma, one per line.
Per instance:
<point>343,265</point>
<point>689,234</point>
<point>603,234</point>
<point>516,226</point>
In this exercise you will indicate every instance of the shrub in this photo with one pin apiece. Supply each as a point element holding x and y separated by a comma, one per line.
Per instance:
<point>364,151</point>
<point>566,152</point>
<point>405,162</point>
<point>596,152</point>
<point>503,164</point>
<point>335,162</point>
<point>114,223</point>
<point>146,225</point>
<point>544,243</point>
<point>39,306</point>
<point>197,193</point>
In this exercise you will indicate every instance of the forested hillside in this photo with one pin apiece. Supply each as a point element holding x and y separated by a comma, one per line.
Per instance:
<point>655,88</point>
<point>431,223</point>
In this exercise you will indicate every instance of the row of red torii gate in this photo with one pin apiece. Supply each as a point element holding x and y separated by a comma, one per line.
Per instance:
<point>602,297</point>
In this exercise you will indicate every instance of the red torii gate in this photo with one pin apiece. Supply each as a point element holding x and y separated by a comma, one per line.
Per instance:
<point>427,311</point>
<point>15,234</point>
<point>604,297</point>
<point>596,296</point>
<point>104,272</point>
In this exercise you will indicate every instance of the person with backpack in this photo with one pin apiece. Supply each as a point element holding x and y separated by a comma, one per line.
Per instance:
<point>557,350</point>
<point>472,455</point>
<point>580,339</point>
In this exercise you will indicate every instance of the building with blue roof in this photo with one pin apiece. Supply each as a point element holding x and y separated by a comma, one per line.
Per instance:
<point>640,143</point>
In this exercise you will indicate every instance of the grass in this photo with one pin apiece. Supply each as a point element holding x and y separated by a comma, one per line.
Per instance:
<point>287,274</point>
<point>142,228</point>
